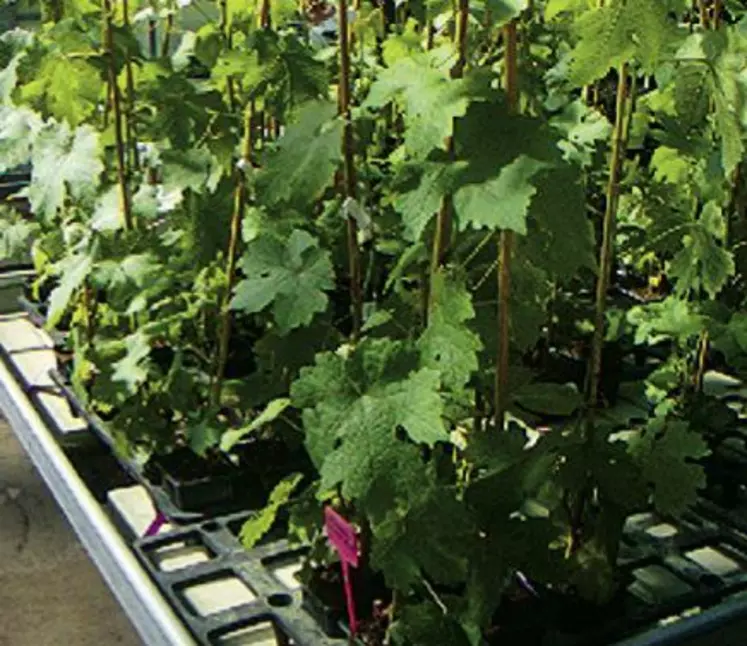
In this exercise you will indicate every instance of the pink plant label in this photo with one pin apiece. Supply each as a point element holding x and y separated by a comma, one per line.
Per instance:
<point>155,527</point>
<point>342,535</point>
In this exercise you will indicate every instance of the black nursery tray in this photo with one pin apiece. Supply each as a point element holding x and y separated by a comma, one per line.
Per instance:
<point>241,589</point>
<point>679,572</point>
<point>179,490</point>
<point>158,492</point>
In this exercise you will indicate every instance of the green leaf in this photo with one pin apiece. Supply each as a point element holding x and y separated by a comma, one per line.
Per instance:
<point>732,145</point>
<point>501,11</point>
<point>501,202</point>
<point>432,536</point>
<point>16,236</point>
<point>107,214</point>
<point>126,280</point>
<point>64,162</point>
<point>703,263</point>
<point>353,406</point>
<point>501,156</point>
<point>305,158</point>
<point>430,98</point>
<point>68,88</point>
<point>419,205</point>
<point>132,369</point>
<point>672,318</point>
<point>665,458</point>
<point>556,7</point>
<point>618,32</point>
<point>259,523</point>
<point>584,129</point>
<point>670,165</point>
<point>184,170</point>
<point>291,277</point>
<point>402,43</point>
<point>271,412</point>
<point>18,129</point>
<point>204,435</point>
<point>549,399</point>
<point>561,237</point>
<point>426,623</point>
<point>9,78</point>
<point>448,345</point>
<point>74,270</point>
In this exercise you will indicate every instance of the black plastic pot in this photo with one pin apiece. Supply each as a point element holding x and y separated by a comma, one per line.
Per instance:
<point>97,427</point>
<point>194,484</point>
<point>269,460</point>
<point>324,599</point>
<point>324,603</point>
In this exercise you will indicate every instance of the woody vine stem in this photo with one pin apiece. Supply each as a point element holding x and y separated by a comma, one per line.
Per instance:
<point>124,196</point>
<point>505,244</point>
<point>349,175</point>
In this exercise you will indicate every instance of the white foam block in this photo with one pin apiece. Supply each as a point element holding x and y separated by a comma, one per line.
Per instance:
<point>134,506</point>
<point>714,561</point>
<point>286,570</point>
<point>176,556</point>
<point>257,635</point>
<point>216,595</point>
<point>35,365</point>
<point>17,333</point>
<point>59,409</point>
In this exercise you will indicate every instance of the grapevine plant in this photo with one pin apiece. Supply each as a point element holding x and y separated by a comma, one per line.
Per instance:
<point>476,257</point>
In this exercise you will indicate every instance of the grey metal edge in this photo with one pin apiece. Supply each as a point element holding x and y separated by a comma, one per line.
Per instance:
<point>153,619</point>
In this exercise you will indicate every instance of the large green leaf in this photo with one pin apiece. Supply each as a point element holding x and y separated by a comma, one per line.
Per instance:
<point>354,405</point>
<point>448,345</point>
<point>132,369</point>
<point>549,399</point>
<point>271,412</point>
<point>618,32</point>
<point>432,535</point>
<point>500,202</point>
<point>18,129</point>
<point>64,163</point>
<point>290,276</point>
<point>703,263</point>
<point>502,156</point>
<point>305,159</point>
<point>418,205</point>
<point>65,87</point>
<point>665,453</point>
<point>430,98</point>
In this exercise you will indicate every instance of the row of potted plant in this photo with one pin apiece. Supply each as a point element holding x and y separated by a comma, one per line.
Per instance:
<point>460,270</point>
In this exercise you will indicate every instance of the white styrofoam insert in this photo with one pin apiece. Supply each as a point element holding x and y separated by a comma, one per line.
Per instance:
<point>216,595</point>
<point>713,561</point>
<point>285,571</point>
<point>257,635</point>
<point>35,365</point>
<point>134,505</point>
<point>662,530</point>
<point>59,409</point>
<point>17,333</point>
<point>176,556</point>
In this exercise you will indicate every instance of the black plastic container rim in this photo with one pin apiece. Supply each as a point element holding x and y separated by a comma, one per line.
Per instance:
<point>704,623</point>
<point>97,426</point>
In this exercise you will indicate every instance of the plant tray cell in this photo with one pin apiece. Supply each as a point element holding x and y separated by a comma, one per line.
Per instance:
<point>244,600</point>
<point>193,484</point>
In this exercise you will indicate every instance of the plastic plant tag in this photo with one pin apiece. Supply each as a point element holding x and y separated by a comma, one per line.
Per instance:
<point>342,536</point>
<point>158,522</point>
<point>344,539</point>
